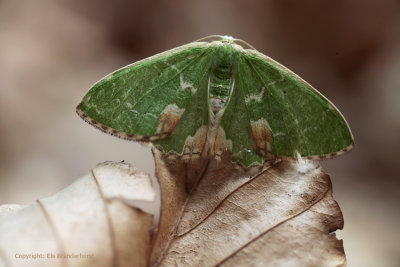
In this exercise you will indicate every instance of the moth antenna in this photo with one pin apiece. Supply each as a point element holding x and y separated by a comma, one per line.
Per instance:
<point>244,44</point>
<point>209,38</point>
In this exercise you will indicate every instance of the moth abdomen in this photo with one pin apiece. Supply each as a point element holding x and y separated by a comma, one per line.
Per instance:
<point>222,77</point>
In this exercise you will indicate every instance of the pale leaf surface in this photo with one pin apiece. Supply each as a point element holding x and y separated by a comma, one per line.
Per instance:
<point>90,217</point>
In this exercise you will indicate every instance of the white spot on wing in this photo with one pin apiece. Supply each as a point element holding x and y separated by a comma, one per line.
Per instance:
<point>255,97</point>
<point>183,84</point>
<point>150,115</point>
<point>278,134</point>
<point>258,97</point>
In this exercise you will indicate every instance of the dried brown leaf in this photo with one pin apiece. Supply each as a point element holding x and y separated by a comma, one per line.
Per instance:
<point>282,216</point>
<point>212,213</point>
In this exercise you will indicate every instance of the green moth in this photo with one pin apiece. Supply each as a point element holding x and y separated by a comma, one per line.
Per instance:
<point>213,96</point>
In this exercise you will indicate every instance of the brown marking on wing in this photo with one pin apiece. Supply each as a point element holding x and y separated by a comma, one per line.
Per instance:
<point>221,144</point>
<point>196,144</point>
<point>170,117</point>
<point>261,135</point>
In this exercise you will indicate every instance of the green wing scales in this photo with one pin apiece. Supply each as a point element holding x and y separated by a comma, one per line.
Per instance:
<point>145,101</point>
<point>288,116</point>
<point>236,123</point>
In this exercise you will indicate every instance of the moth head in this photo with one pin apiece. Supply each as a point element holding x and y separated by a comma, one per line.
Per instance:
<point>227,39</point>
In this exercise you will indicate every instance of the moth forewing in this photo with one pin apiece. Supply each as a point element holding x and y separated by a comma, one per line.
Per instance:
<point>315,133</point>
<point>132,102</point>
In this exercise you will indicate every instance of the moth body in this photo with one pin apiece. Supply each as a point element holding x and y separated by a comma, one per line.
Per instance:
<point>222,76</point>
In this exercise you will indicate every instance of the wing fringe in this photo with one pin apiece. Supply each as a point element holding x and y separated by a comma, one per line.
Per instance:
<point>117,133</point>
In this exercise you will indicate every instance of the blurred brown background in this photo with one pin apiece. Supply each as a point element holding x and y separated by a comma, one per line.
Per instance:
<point>52,52</point>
